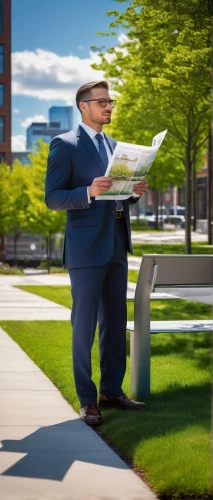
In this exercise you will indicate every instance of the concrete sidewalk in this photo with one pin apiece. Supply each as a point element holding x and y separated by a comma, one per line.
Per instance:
<point>18,305</point>
<point>46,451</point>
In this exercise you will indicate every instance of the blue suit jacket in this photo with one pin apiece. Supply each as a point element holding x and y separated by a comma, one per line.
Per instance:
<point>73,163</point>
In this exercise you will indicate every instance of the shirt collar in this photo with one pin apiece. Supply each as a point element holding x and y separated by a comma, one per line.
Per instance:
<point>90,131</point>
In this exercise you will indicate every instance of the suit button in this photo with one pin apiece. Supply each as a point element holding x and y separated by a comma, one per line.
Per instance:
<point>113,211</point>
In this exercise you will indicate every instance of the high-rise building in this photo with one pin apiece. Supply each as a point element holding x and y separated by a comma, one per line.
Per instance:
<point>45,131</point>
<point>5,81</point>
<point>63,115</point>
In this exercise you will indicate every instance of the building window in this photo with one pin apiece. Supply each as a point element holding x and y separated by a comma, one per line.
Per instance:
<point>1,128</point>
<point>1,157</point>
<point>1,17</point>
<point>1,59</point>
<point>1,94</point>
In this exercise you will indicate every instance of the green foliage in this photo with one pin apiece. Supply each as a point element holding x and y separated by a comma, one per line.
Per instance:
<point>40,218</point>
<point>19,180</point>
<point>6,269</point>
<point>139,225</point>
<point>5,198</point>
<point>162,72</point>
<point>22,206</point>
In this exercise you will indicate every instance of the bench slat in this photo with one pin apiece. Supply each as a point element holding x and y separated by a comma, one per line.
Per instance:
<point>154,296</point>
<point>182,326</point>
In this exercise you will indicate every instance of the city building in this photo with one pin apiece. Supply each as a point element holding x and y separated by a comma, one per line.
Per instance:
<point>45,131</point>
<point>22,156</point>
<point>63,115</point>
<point>5,81</point>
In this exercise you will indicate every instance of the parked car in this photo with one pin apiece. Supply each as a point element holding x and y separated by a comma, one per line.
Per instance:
<point>178,210</point>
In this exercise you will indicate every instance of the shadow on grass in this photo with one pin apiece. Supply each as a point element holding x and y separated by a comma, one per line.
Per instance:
<point>175,408</point>
<point>196,346</point>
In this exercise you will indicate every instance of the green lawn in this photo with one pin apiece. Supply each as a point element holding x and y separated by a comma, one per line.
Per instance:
<point>133,276</point>
<point>170,442</point>
<point>140,249</point>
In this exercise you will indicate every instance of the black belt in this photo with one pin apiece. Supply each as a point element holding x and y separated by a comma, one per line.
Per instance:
<point>119,214</point>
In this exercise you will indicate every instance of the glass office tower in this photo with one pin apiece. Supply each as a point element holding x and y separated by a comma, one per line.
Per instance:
<point>63,115</point>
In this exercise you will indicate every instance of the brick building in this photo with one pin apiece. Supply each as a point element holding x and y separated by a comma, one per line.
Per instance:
<point>5,81</point>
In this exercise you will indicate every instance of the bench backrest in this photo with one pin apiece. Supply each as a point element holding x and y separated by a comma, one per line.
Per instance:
<point>177,270</point>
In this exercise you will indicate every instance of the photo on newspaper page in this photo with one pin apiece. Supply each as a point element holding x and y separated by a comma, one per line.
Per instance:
<point>128,165</point>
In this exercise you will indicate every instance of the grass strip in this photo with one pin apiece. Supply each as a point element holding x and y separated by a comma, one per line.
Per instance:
<point>140,249</point>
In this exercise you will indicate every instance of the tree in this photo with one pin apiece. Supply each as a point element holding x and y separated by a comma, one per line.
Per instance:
<point>5,195</point>
<point>162,73</point>
<point>19,201</point>
<point>41,220</point>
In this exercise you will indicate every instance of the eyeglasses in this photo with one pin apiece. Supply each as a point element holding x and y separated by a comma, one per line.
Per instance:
<point>103,102</point>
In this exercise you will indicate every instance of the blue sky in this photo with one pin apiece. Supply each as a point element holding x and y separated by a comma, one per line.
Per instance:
<point>51,54</point>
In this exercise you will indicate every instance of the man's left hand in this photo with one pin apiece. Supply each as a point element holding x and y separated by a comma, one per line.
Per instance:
<point>141,187</point>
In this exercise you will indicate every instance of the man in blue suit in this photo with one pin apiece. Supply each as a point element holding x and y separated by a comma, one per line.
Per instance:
<point>97,240</point>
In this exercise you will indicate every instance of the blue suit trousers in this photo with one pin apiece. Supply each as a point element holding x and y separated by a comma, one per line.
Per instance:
<point>99,296</point>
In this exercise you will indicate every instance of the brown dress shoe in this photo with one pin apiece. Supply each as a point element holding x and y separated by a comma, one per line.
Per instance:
<point>122,402</point>
<point>91,415</point>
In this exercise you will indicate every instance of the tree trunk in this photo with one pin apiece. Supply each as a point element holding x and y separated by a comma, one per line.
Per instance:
<point>50,246</point>
<point>48,255</point>
<point>156,196</point>
<point>188,200</point>
<point>210,188</point>
<point>194,194</point>
<point>2,247</point>
<point>210,151</point>
<point>15,248</point>
<point>137,207</point>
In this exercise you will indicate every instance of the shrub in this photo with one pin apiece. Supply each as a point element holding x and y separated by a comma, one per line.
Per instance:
<point>6,269</point>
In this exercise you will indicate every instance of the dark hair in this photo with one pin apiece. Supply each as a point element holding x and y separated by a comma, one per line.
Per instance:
<point>83,92</point>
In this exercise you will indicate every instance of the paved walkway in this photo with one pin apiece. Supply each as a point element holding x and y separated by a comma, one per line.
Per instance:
<point>19,305</point>
<point>46,451</point>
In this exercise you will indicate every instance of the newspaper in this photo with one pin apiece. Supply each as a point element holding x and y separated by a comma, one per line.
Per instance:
<point>128,165</point>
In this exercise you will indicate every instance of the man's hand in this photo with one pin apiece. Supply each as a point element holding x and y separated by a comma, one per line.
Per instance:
<point>141,187</point>
<point>99,185</point>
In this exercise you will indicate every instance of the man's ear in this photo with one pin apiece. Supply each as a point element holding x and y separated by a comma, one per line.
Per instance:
<point>82,106</point>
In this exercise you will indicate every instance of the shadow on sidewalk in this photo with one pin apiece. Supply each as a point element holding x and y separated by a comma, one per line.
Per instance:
<point>51,451</point>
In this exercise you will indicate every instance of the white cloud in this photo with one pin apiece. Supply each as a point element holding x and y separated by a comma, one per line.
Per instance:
<point>46,75</point>
<point>122,38</point>
<point>36,118</point>
<point>16,110</point>
<point>18,143</point>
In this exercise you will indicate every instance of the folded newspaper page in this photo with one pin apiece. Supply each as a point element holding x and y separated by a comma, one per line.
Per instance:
<point>128,165</point>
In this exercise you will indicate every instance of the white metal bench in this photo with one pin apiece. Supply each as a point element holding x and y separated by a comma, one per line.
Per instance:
<point>158,271</point>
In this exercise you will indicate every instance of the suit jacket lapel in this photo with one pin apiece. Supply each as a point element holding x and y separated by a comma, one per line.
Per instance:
<point>88,143</point>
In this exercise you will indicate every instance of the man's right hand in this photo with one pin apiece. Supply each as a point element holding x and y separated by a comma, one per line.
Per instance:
<point>99,185</point>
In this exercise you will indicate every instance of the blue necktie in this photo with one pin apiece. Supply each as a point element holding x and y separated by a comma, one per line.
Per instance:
<point>105,160</point>
<point>102,149</point>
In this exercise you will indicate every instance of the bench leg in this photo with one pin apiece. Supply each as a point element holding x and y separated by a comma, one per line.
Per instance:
<point>140,342</point>
<point>140,364</point>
